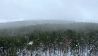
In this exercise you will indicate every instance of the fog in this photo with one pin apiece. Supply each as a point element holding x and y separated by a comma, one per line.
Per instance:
<point>74,10</point>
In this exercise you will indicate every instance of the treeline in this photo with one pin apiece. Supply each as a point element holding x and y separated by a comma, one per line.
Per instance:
<point>65,41</point>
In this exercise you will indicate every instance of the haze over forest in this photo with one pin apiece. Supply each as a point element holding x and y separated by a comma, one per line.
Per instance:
<point>48,27</point>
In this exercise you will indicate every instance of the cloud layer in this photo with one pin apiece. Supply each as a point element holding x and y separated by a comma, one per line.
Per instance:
<point>79,10</point>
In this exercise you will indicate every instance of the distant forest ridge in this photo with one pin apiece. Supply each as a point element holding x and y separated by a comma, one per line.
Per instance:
<point>23,27</point>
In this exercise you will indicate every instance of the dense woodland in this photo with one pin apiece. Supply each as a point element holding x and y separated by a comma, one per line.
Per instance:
<point>63,41</point>
<point>49,39</point>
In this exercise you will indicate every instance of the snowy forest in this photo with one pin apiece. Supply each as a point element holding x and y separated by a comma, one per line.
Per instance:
<point>51,43</point>
<point>48,27</point>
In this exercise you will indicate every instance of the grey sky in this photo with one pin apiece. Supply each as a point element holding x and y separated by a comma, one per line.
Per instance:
<point>80,10</point>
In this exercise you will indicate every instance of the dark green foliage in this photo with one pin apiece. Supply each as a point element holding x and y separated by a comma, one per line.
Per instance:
<point>50,39</point>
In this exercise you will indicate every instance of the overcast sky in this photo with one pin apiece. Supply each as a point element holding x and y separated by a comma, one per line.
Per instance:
<point>79,10</point>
